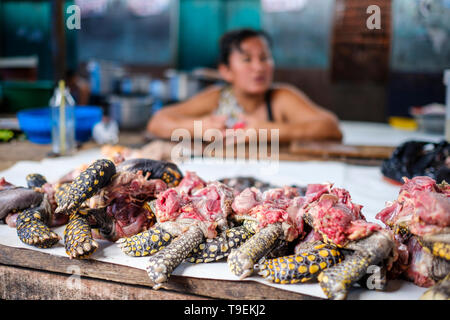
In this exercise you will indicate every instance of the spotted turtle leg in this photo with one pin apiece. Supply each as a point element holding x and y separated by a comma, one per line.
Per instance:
<point>164,170</point>
<point>336,281</point>
<point>35,180</point>
<point>78,239</point>
<point>437,244</point>
<point>241,261</point>
<point>60,191</point>
<point>221,246</point>
<point>146,243</point>
<point>32,227</point>
<point>162,264</point>
<point>95,177</point>
<point>300,267</point>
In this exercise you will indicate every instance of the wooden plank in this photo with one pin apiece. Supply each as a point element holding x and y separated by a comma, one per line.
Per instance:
<point>332,149</point>
<point>58,39</point>
<point>21,283</point>
<point>221,289</point>
<point>14,151</point>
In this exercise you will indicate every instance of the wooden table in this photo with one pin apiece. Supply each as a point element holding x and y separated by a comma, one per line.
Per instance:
<point>15,151</point>
<point>28,274</point>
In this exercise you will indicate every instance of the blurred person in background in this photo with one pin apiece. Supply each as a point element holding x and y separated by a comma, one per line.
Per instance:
<point>79,87</point>
<point>249,99</point>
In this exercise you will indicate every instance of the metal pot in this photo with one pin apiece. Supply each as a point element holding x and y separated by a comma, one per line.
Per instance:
<point>131,112</point>
<point>431,123</point>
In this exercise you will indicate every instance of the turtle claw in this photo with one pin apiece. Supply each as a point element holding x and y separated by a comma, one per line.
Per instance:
<point>87,247</point>
<point>242,260</point>
<point>32,230</point>
<point>78,238</point>
<point>83,250</point>
<point>245,274</point>
<point>336,281</point>
<point>162,264</point>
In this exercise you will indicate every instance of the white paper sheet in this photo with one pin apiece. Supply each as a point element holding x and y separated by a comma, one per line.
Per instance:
<point>381,134</point>
<point>365,185</point>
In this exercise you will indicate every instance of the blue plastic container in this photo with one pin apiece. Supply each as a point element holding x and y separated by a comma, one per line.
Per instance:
<point>36,123</point>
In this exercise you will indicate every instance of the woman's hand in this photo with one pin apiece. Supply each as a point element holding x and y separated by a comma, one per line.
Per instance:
<point>213,121</point>
<point>209,122</point>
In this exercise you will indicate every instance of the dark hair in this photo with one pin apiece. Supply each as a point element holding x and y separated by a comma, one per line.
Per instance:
<point>233,39</point>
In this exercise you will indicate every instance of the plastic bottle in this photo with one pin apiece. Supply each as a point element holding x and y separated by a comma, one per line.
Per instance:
<point>94,76</point>
<point>62,107</point>
<point>447,103</point>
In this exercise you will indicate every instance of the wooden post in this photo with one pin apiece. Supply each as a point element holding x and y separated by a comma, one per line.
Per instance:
<point>58,39</point>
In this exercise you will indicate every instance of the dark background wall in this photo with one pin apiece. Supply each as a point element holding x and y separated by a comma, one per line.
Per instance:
<point>26,30</point>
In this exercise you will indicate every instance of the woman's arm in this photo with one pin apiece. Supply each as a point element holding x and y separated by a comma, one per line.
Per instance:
<point>183,115</point>
<point>299,118</point>
<point>307,131</point>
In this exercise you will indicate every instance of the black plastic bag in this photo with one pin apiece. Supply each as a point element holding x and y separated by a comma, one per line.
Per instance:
<point>419,158</point>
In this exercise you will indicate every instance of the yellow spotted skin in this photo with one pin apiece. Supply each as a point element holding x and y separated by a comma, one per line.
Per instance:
<point>438,249</point>
<point>300,267</point>
<point>161,264</point>
<point>241,261</point>
<point>78,239</point>
<point>35,180</point>
<point>60,191</point>
<point>250,225</point>
<point>336,281</point>
<point>95,177</point>
<point>164,170</point>
<point>146,243</point>
<point>172,176</point>
<point>437,244</point>
<point>221,246</point>
<point>32,229</point>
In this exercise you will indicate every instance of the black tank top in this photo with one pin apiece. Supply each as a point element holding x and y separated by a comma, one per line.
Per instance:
<point>268,99</point>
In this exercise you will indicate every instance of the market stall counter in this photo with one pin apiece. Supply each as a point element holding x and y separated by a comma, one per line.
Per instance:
<point>34,273</point>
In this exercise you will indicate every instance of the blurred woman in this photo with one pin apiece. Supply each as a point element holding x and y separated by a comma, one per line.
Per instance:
<point>250,99</point>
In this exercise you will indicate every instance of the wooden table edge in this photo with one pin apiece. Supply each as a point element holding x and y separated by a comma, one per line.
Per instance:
<point>206,288</point>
